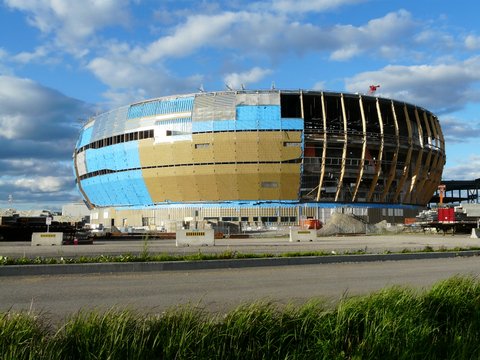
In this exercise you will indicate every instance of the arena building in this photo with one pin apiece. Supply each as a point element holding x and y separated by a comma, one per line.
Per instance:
<point>257,157</point>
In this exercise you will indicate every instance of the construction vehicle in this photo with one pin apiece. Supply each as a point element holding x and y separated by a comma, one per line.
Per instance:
<point>447,218</point>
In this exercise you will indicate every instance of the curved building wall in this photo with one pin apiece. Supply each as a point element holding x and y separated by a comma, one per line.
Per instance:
<point>260,146</point>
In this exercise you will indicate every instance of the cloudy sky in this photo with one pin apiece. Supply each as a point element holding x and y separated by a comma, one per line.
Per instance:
<point>62,61</point>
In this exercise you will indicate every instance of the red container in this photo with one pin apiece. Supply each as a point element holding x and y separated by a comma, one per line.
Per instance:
<point>311,224</point>
<point>446,215</point>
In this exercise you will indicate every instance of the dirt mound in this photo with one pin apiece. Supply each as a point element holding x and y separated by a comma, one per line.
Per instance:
<point>342,224</point>
<point>347,224</point>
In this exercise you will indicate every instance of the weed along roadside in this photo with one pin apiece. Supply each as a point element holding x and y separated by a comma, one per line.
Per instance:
<point>393,323</point>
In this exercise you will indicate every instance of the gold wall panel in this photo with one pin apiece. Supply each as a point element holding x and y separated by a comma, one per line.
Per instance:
<point>290,181</point>
<point>247,146</point>
<point>161,184</point>
<point>185,178</point>
<point>182,152</point>
<point>152,155</point>
<point>270,174</point>
<point>227,182</point>
<point>206,184</point>
<point>248,181</point>
<point>270,145</point>
<point>224,147</point>
<point>202,148</point>
<point>223,182</point>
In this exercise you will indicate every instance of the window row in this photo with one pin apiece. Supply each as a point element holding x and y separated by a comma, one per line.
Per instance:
<point>118,139</point>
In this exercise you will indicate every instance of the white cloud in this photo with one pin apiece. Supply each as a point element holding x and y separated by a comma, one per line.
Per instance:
<point>441,88</point>
<point>379,36</point>
<point>25,57</point>
<point>31,111</point>
<point>134,72</point>
<point>198,31</point>
<point>466,169</point>
<point>458,131</point>
<point>304,6</point>
<point>236,80</point>
<point>44,184</point>
<point>38,130</point>
<point>472,42</point>
<point>129,80</point>
<point>319,86</point>
<point>269,34</point>
<point>72,21</point>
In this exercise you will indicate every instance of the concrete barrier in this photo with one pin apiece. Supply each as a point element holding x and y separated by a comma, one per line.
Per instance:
<point>205,237</point>
<point>50,238</point>
<point>297,235</point>
<point>475,233</point>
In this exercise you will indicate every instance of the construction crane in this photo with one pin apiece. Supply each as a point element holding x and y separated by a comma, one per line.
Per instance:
<point>441,193</point>
<point>373,88</point>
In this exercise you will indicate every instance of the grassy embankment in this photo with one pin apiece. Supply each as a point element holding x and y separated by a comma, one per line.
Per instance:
<point>396,323</point>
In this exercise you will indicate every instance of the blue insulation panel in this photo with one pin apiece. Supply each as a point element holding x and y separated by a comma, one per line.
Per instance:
<point>247,124</point>
<point>150,108</point>
<point>135,111</point>
<point>266,116</point>
<point>126,187</point>
<point>95,191</point>
<point>224,125</point>
<point>292,124</point>
<point>85,137</point>
<point>202,126</point>
<point>263,117</point>
<point>115,157</point>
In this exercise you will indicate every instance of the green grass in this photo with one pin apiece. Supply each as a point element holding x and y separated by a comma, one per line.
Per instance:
<point>395,323</point>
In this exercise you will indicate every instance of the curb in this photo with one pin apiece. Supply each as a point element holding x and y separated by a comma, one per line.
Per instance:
<point>131,267</point>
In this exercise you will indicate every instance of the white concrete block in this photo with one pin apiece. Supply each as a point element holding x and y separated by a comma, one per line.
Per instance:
<point>302,235</point>
<point>205,237</point>
<point>50,238</point>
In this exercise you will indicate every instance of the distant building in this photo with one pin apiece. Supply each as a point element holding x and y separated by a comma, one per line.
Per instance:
<point>75,210</point>
<point>259,157</point>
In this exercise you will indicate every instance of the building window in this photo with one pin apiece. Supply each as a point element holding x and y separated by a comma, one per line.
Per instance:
<point>288,219</point>
<point>269,219</point>
<point>202,146</point>
<point>290,106</point>
<point>269,184</point>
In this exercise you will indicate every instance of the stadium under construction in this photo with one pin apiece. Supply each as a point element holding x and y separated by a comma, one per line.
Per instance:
<point>258,157</point>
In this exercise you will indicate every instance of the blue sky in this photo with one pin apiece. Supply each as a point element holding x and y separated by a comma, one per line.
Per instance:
<point>62,61</point>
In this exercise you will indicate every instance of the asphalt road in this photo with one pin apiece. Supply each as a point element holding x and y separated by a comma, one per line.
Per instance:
<point>220,290</point>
